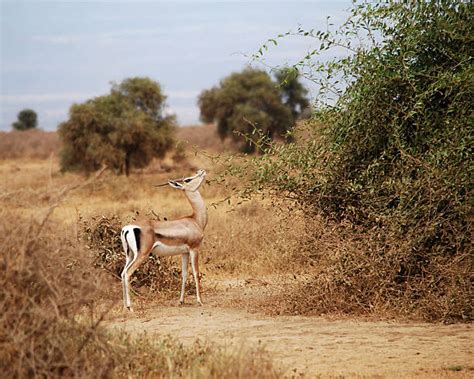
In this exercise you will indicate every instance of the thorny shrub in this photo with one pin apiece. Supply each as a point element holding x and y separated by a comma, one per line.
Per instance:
<point>388,160</point>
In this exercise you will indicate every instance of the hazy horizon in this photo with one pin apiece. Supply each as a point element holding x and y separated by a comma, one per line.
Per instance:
<point>57,53</point>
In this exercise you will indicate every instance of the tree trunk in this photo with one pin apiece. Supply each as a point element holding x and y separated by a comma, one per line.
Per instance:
<point>127,164</point>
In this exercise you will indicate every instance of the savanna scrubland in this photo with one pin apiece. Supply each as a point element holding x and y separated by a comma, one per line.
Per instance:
<point>324,256</point>
<point>62,299</point>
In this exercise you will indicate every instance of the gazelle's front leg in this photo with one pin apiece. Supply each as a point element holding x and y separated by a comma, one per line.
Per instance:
<point>195,266</point>
<point>184,275</point>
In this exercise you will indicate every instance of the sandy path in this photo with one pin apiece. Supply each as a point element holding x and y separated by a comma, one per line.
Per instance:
<point>313,345</point>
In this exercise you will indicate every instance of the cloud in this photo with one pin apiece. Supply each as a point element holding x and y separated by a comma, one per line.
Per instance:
<point>44,98</point>
<point>54,113</point>
<point>79,38</point>
<point>58,39</point>
<point>183,95</point>
<point>186,114</point>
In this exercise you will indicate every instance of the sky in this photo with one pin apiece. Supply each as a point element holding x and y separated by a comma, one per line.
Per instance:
<point>57,53</point>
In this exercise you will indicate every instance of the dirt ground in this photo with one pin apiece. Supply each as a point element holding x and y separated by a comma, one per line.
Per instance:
<point>313,346</point>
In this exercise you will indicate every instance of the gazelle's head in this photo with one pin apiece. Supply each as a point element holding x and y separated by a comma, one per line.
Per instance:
<point>191,183</point>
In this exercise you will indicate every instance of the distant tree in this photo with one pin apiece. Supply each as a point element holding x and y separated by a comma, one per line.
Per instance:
<point>124,129</point>
<point>295,95</point>
<point>144,94</point>
<point>27,119</point>
<point>244,101</point>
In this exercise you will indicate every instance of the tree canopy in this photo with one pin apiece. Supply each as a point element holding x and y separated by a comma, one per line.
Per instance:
<point>294,94</point>
<point>250,100</point>
<point>27,119</point>
<point>123,129</point>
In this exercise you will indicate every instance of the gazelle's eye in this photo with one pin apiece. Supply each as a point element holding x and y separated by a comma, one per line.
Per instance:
<point>187,180</point>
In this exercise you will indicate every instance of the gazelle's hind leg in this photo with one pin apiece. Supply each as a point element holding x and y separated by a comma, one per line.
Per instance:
<point>130,247</point>
<point>128,259</point>
<point>195,266</point>
<point>184,275</point>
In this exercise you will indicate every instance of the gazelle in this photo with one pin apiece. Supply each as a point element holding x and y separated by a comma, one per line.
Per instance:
<point>182,236</point>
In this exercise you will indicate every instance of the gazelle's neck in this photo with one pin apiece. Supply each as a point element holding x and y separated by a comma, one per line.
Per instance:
<point>199,208</point>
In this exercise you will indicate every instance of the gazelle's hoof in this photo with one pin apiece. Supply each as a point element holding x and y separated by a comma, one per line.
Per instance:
<point>130,309</point>
<point>200,303</point>
<point>181,302</point>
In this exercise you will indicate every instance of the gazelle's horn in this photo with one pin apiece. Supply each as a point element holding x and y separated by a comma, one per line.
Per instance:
<point>165,184</point>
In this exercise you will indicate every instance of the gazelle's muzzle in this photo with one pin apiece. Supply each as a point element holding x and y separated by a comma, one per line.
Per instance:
<point>169,181</point>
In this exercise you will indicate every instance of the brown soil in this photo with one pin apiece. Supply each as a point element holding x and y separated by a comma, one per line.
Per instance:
<point>312,346</point>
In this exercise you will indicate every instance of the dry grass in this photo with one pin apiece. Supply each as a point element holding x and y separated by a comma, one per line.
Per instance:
<point>30,144</point>
<point>204,137</point>
<point>39,144</point>
<point>266,243</point>
<point>252,240</point>
<point>305,266</point>
<point>53,300</point>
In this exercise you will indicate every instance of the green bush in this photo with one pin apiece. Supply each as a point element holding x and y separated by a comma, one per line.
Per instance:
<point>391,153</point>
<point>250,100</point>
<point>122,130</point>
<point>27,119</point>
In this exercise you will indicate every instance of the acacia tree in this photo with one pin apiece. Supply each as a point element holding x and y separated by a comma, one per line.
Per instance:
<point>27,119</point>
<point>246,101</point>
<point>143,94</point>
<point>124,129</point>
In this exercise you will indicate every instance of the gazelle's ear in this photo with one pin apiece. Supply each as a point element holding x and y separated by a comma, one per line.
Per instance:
<point>174,184</point>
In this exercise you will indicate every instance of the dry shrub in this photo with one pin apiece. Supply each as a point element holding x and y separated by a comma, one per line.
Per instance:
<point>32,144</point>
<point>46,283</point>
<point>356,273</point>
<point>102,236</point>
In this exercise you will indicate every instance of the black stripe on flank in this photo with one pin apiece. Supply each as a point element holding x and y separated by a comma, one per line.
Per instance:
<point>126,242</point>
<point>136,231</point>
